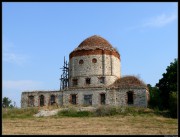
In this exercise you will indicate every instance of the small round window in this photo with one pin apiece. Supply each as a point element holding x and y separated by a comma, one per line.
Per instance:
<point>81,61</point>
<point>94,60</point>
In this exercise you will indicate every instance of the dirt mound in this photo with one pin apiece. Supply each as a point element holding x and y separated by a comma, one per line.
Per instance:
<point>46,113</point>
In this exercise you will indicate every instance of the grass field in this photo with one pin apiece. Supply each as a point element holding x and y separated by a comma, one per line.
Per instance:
<point>142,124</point>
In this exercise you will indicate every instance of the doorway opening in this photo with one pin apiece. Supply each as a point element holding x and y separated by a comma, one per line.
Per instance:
<point>130,97</point>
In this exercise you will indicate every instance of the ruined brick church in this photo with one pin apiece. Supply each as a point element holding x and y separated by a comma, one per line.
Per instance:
<point>94,78</point>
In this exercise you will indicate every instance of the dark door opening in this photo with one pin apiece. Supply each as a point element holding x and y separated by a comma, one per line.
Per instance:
<point>103,98</point>
<point>130,97</point>
<point>73,99</point>
<point>41,100</point>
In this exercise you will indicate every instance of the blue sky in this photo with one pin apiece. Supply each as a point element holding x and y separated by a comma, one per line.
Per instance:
<point>37,36</point>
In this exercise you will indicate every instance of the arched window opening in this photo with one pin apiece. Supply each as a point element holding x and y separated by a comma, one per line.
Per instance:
<point>52,100</point>
<point>31,101</point>
<point>41,98</point>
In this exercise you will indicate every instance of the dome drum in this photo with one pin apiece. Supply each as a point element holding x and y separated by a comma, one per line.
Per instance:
<point>94,57</point>
<point>93,52</point>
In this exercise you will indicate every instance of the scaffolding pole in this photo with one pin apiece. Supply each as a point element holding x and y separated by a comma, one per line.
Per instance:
<point>64,80</point>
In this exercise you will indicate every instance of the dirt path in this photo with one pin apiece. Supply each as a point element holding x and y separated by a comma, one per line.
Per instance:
<point>117,125</point>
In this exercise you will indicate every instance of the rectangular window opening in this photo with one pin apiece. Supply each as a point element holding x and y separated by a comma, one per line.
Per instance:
<point>103,99</point>
<point>102,80</point>
<point>88,100</point>
<point>88,81</point>
<point>73,99</point>
<point>75,82</point>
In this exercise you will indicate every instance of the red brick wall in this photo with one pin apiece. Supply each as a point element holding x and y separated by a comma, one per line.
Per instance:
<point>93,52</point>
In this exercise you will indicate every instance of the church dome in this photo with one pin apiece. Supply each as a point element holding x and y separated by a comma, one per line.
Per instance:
<point>129,82</point>
<point>94,43</point>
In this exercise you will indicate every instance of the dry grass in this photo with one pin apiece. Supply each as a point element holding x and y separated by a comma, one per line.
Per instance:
<point>117,125</point>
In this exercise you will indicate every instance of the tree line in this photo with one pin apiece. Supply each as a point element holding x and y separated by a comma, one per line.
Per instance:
<point>7,103</point>
<point>163,95</point>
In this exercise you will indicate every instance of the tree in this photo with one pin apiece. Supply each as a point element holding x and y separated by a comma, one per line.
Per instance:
<point>6,102</point>
<point>168,83</point>
<point>173,104</point>
<point>155,99</point>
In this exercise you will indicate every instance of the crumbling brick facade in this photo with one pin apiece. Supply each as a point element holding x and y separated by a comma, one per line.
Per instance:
<point>94,79</point>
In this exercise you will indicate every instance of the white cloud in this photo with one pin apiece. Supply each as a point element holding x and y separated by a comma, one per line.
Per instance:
<point>160,20</point>
<point>14,58</point>
<point>10,56</point>
<point>21,85</point>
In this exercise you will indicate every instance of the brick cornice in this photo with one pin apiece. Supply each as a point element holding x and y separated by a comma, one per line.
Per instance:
<point>93,52</point>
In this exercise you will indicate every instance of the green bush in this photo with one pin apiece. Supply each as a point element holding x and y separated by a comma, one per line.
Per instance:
<point>18,112</point>
<point>74,113</point>
<point>173,104</point>
<point>132,110</point>
<point>99,111</point>
<point>120,110</point>
<point>160,112</point>
<point>84,113</point>
<point>105,111</point>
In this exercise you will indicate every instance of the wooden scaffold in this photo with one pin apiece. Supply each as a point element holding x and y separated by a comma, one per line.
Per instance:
<point>64,80</point>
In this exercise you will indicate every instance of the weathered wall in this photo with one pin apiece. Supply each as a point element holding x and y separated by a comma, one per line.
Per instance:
<point>139,97</point>
<point>106,65</point>
<point>116,97</point>
<point>113,96</point>
<point>95,92</point>
<point>37,94</point>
